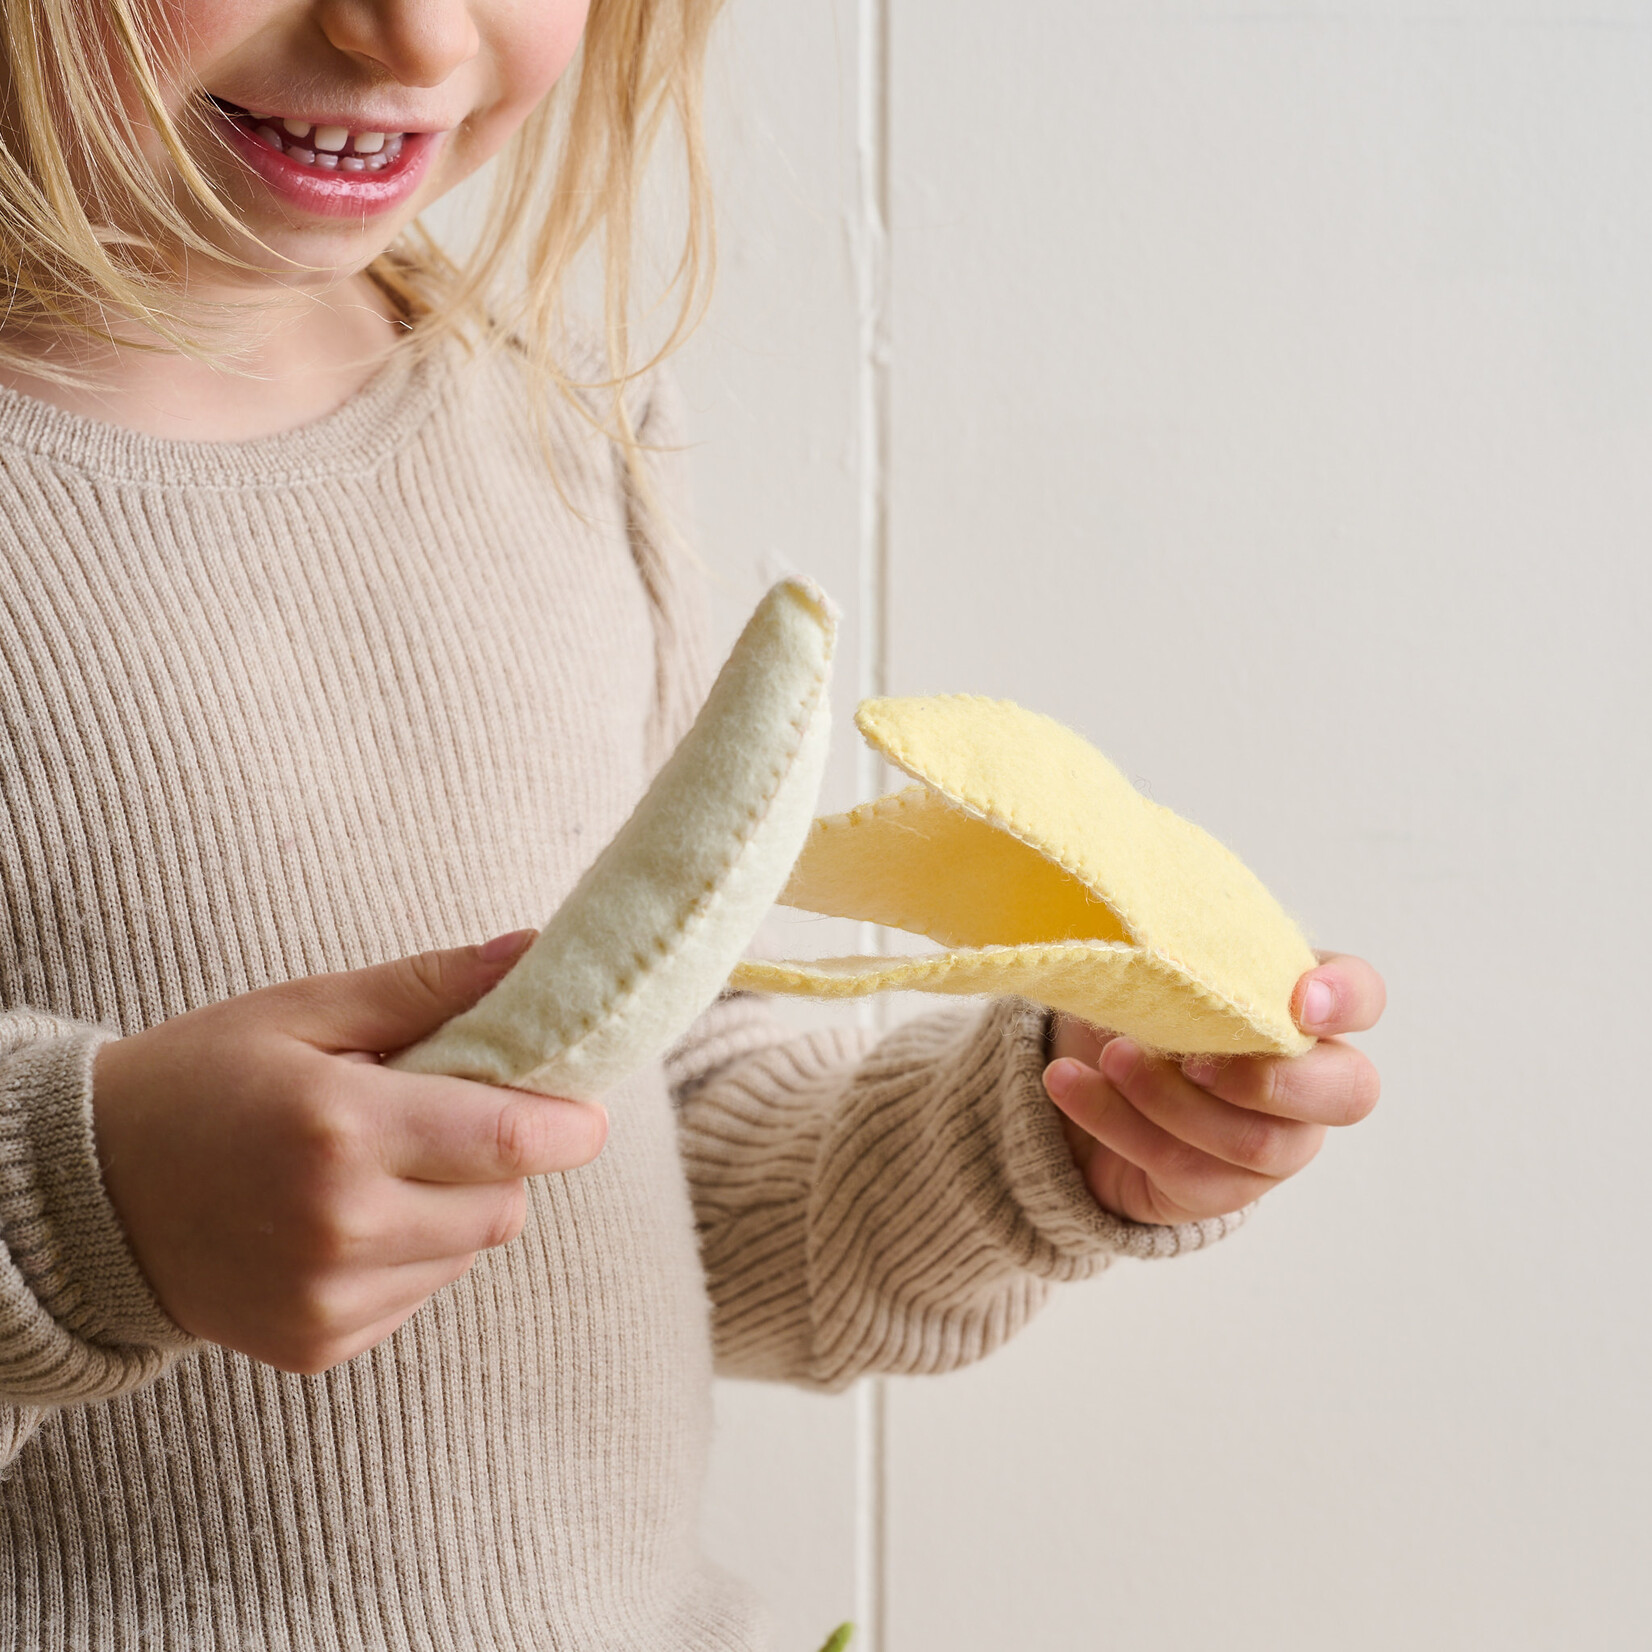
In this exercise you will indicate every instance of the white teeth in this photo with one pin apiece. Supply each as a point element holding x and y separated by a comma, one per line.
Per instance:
<point>333,148</point>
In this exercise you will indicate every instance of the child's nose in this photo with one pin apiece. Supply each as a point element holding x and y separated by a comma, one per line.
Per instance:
<point>418,42</point>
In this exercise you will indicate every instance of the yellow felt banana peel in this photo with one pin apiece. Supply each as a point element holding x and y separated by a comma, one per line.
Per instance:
<point>1044,874</point>
<point>646,939</point>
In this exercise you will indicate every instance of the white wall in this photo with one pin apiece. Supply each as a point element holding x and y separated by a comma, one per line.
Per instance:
<point>1268,395</point>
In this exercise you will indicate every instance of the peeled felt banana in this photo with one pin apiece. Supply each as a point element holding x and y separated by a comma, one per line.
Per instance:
<point>647,938</point>
<point>1044,874</point>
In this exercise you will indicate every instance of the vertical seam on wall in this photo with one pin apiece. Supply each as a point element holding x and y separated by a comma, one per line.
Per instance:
<point>872,302</point>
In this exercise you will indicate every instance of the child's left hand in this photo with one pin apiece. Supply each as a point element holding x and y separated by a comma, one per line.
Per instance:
<point>1161,1141</point>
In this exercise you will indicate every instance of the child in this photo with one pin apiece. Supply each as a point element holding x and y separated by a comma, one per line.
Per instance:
<point>309,660</point>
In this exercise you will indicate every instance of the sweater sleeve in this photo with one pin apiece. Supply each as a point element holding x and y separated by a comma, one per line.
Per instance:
<point>901,1204</point>
<point>78,1320</point>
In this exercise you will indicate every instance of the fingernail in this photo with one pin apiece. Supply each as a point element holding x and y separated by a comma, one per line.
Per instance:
<point>502,947</point>
<point>1060,1077</point>
<point>1317,1003</point>
<point>1118,1059</point>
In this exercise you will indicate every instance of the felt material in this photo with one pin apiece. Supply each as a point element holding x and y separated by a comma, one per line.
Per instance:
<point>1046,875</point>
<point>647,938</point>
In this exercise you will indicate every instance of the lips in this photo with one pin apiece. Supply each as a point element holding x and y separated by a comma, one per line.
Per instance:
<point>324,167</point>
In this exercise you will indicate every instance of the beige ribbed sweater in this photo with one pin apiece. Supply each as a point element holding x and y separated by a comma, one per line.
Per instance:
<point>317,701</point>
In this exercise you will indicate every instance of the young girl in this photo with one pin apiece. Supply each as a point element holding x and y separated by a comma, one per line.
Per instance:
<point>340,627</point>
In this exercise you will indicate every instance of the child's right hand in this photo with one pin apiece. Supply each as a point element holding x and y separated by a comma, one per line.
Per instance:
<point>289,1197</point>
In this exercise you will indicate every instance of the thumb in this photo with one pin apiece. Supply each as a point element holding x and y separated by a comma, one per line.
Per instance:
<point>386,1007</point>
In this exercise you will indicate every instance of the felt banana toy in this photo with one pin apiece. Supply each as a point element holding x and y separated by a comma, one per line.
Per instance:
<point>1044,874</point>
<point>647,938</point>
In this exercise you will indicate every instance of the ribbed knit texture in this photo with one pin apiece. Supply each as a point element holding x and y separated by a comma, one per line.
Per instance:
<point>325,699</point>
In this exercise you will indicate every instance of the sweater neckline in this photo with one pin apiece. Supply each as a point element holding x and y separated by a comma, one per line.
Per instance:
<point>357,435</point>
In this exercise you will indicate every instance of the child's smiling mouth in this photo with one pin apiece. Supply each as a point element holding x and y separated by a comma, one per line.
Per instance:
<point>325,167</point>
<point>327,147</point>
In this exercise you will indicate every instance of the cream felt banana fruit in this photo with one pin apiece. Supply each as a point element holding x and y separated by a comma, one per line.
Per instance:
<point>647,938</point>
<point>1045,874</point>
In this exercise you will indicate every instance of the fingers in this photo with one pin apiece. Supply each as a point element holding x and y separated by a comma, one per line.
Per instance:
<point>398,1225</point>
<point>436,1223</point>
<point>1332,1084</point>
<point>353,1313</point>
<point>390,1005</point>
<point>1152,1171</point>
<point>1272,1147</point>
<point>432,1128</point>
<point>1342,995</point>
<point>1078,1039</point>
<point>376,1267</point>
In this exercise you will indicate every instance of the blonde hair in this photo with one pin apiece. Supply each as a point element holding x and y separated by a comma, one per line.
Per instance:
<point>90,231</point>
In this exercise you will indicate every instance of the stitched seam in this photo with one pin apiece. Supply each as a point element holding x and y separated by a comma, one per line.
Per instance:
<point>1001,819</point>
<point>1258,1017</point>
<point>998,959</point>
<point>624,992</point>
